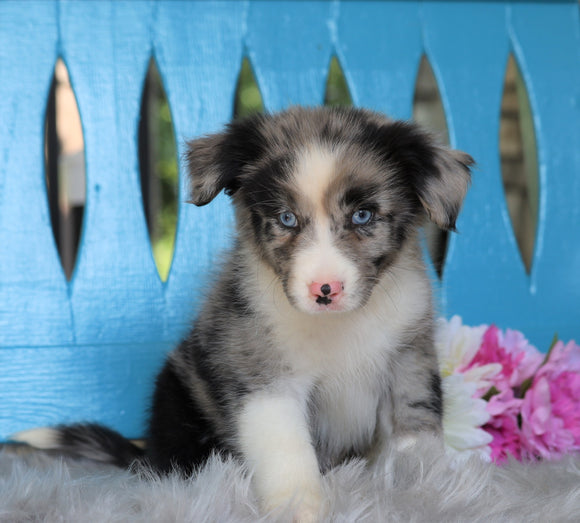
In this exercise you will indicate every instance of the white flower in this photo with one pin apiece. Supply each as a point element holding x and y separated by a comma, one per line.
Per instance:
<point>464,412</point>
<point>463,417</point>
<point>456,346</point>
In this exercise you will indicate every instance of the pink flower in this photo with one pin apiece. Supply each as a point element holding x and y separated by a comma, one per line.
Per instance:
<point>550,413</point>
<point>503,426</point>
<point>533,405</point>
<point>562,358</point>
<point>519,359</point>
<point>526,357</point>
<point>507,439</point>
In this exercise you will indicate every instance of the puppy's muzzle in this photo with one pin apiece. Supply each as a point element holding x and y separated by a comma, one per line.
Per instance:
<point>325,293</point>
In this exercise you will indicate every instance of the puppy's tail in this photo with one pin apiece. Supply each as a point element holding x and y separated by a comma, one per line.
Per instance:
<point>84,440</point>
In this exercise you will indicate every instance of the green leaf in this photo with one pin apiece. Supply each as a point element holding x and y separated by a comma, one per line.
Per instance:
<point>524,387</point>
<point>552,345</point>
<point>528,383</point>
<point>490,393</point>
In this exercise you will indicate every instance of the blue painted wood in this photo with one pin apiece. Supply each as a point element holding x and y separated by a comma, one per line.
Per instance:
<point>288,43</point>
<point>89,348</point>
<point>379,45</point>
<point>554,81</point>
<point>484,276</point>
<point>199,48</point>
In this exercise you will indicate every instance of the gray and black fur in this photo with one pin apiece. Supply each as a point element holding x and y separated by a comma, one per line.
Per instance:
<point>238,348</point>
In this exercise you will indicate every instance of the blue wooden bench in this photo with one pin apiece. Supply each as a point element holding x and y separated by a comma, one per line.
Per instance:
<point>88,349</point>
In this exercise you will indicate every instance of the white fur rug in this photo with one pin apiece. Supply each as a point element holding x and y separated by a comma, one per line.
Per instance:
<point>423,486</point>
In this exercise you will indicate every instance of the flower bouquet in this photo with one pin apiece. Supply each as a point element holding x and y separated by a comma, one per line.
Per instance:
<point>504,398</point>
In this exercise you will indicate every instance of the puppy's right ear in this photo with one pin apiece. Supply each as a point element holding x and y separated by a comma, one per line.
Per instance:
<point>218,161</point>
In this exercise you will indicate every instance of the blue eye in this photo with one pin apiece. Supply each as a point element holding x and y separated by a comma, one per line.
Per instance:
<point>362,217</point>
<point>288,219</point>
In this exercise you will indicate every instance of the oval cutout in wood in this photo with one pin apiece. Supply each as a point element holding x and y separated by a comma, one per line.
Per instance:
<point>428,112</point>
<point>159,169</point>
<point>64,161</point>
<point>247,99</point>
<point>519,163</point>
<point>337,91</point>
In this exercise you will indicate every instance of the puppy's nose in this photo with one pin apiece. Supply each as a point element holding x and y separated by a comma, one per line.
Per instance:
<point>326,290</point>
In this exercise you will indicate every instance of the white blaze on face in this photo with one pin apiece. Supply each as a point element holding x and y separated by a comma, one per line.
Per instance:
<point>320,261</point>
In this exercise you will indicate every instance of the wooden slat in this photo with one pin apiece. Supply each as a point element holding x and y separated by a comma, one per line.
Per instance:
<point>379,45</point>
<point>114,266</point>
<point>288,44</point>
<point>34,306</point>
<point>546,40</point>
<point>199,51</point>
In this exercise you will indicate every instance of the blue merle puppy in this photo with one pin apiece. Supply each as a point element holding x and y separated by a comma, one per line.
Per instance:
<point>316,342</point>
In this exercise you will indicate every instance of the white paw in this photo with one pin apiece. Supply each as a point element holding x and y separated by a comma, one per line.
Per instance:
<point>310,509</point>
<point>306,506</point>
<point>306,515</point>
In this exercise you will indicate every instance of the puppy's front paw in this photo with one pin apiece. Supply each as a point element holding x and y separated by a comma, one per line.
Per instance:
<point>310,509</point>
<point>304,505</point>
<point>306,515</point>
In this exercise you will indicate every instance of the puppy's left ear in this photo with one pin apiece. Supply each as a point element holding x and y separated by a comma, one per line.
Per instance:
<point>443,188</point>
<point>218,161</point>
<point>439,176</point>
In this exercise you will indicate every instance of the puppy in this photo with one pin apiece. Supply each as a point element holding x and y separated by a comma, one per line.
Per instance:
<point>316,341</point>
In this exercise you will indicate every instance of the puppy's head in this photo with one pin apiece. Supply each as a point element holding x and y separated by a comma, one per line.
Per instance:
<point>328,197</point>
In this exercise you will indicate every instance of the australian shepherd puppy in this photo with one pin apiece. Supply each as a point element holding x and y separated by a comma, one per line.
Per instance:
<point>316,341</point>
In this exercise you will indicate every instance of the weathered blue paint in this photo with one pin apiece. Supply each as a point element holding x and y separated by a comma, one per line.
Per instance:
<point>88,349</point>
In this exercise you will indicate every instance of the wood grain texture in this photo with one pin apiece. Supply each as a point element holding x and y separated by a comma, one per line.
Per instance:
<point>88,349</point>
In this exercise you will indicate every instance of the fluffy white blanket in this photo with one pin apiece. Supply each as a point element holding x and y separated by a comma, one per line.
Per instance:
<point>424,485</point>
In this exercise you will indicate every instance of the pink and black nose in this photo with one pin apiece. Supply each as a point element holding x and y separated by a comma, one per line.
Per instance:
<point>326,292</point>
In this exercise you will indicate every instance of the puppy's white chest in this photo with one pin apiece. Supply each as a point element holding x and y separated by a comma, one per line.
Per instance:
<point>345,415</point>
